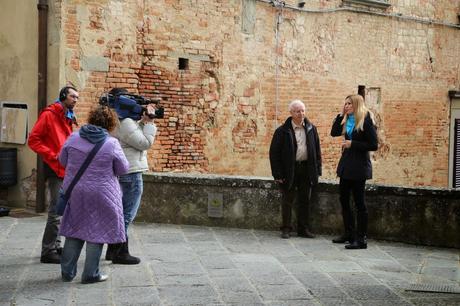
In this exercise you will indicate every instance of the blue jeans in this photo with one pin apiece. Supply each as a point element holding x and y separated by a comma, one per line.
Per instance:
<point>70,255</point>
<point>132,187</point>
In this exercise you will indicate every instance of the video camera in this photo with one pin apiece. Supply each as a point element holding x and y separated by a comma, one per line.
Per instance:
<point>131,106</point>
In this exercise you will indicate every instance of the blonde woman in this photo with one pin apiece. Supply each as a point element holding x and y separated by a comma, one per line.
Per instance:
<point>356,124</point>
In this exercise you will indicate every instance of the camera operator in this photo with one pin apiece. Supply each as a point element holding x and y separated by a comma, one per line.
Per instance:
<point>135,137</point>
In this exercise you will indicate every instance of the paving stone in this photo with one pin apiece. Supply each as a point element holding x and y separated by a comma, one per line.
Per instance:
<point>451,273</point>
<point>92,294</point>
<point>186,280</point>
<point>339,302</point>
<point>366,292</point>
<point>225,273</point>
<point>314,279</point>
<point>246,247</point>
<point>273,278</point>
<point>357,278</point>
<point>304,267</point>
<point>373,302</point>
<point>236,290</point>
<point>206,248</point>
<point>6,296</point>
<point>283,292</point>
<point>189,295</point>
<point>165,238</point>
<point>301,259</point>
<point>332,266</point>
<point>253,259</point>
<point>436,301</point>
<point>130,275</point>
<point>180,252</point>
<point>293,303</point>
<point>280,248</point>
<point>217,262</point>
<point>396,280</point>
<point>177,268</point>
<point>327,292</point>
<point>382,265</point>
<point>148,295</point>
<point>241,298</point>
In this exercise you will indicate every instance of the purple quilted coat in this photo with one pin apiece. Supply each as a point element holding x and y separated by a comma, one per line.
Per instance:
<point>94,212</point>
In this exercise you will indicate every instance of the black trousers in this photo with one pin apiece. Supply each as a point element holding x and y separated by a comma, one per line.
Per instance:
<point>51,240</point>
<point>298,198</point>
<point>357,188</point>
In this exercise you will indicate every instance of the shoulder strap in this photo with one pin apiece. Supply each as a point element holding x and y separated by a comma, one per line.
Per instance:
<point>83,167</point>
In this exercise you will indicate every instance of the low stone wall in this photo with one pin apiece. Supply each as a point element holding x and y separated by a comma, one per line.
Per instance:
<point>420,216</point>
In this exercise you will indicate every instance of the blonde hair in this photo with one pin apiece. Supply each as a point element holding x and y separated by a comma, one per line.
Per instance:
<point>360,112</point>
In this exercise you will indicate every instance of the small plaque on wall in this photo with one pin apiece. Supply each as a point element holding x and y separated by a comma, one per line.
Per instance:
<point>215,205</point>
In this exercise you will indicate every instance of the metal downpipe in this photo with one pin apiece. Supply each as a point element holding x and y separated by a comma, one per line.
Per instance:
<point>42,7</point>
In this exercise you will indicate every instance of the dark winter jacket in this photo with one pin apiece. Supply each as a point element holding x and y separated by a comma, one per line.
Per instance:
<point>283,150</point>
<point>355,163</point>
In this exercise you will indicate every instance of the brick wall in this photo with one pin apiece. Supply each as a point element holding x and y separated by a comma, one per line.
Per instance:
<point>222,109</point>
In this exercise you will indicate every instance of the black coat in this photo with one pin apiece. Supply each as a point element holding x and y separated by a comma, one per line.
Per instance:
<point>283,150</point>
<point>355,163</point>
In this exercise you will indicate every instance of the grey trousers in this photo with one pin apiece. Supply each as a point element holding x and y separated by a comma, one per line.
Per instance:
<point>51,241</point>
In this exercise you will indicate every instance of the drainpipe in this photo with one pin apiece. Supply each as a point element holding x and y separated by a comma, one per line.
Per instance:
<point>42,94</point>
<point>279,5</point>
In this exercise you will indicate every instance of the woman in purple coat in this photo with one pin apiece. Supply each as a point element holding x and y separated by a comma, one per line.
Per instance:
<point>94,213</point>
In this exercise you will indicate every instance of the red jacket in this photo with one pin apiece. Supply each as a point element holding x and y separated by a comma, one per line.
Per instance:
<point>49,134</point>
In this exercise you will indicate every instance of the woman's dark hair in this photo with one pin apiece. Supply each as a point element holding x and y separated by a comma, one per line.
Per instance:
<point>118,91</point>
<point>104,117</point>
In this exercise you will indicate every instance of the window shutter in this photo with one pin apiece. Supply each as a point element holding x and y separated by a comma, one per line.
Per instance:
<point>456,178</point>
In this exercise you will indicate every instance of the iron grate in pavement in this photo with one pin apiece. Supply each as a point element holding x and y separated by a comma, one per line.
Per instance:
<point>441,288</point>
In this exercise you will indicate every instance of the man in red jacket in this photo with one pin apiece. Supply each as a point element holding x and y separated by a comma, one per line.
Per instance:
<point>47,137</point>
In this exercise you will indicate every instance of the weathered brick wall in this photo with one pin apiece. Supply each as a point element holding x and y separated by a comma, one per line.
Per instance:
<point>222,110</point>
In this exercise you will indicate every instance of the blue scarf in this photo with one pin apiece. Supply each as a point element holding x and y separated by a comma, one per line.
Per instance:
<point>69,113</point>
<point>92,133</point>
<point>350,125</point>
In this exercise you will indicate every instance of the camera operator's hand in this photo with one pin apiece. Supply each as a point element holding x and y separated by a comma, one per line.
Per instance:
<point>150,110</point>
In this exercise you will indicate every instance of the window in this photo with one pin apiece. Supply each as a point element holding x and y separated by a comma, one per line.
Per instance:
<point>454,140</point>
<point>183,63</point>
<point>373,3</point>
<point>456,155</point>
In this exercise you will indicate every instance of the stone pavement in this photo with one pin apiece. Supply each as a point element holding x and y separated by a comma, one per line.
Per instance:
<point>191,265</point>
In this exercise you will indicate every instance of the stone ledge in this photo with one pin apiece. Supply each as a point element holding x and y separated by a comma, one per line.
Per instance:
<point>426,216</point>
<point>268,183</point>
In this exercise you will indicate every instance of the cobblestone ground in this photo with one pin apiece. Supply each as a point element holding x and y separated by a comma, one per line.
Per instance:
<point>191,265</point>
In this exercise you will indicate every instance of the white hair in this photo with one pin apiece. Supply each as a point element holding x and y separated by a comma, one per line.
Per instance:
<point>294,103</point>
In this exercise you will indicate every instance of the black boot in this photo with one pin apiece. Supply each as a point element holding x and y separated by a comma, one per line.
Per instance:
<point>349,225</point>
<point>111,249</point>
<point>360,243</point>
<point>361,240</point>
<point>123,257</point>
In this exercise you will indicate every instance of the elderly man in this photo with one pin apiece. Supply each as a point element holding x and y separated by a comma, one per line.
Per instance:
<point>295,159</point>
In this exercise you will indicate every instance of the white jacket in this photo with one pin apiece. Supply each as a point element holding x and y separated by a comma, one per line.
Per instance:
<point>135,139</point>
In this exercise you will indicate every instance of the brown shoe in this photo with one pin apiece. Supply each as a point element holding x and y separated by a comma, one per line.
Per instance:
<point>344,238</point>
<point>306,234</point>
<point>285,234</point>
